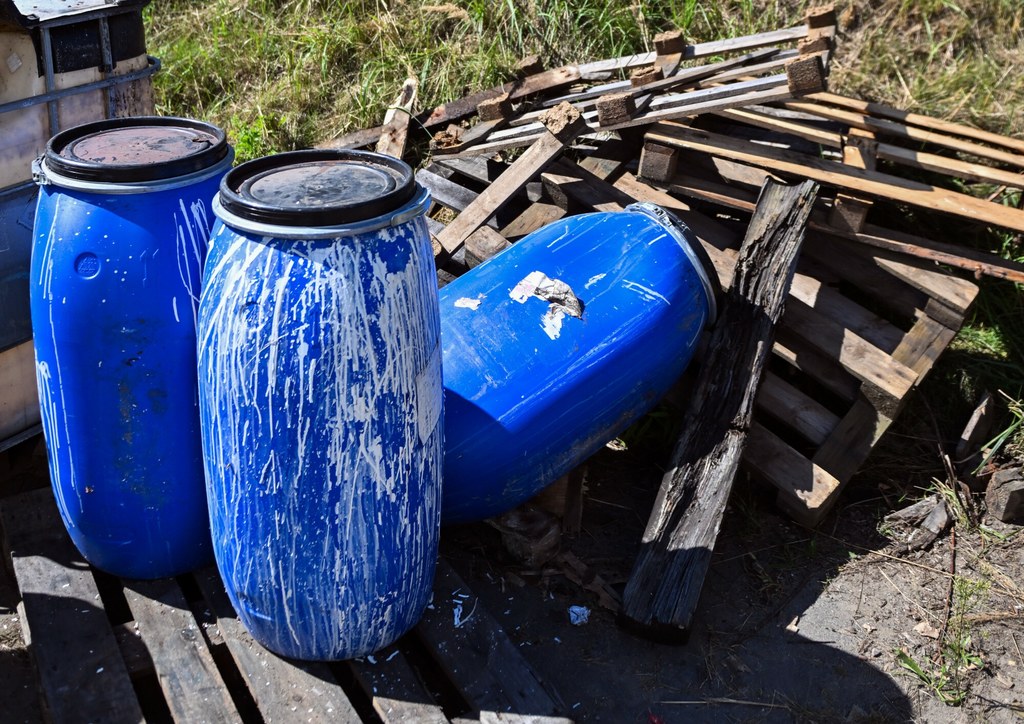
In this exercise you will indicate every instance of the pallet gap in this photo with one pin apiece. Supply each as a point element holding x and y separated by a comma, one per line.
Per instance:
<point>151,700</point>
<point>112,596</point>
<point>359,699</point>
<point>234,680</point>
<point>809,386</point>
<point>430,674</point>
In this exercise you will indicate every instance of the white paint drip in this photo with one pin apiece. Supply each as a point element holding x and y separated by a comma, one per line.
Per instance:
<point>594,280</point>
<point>174,306</point>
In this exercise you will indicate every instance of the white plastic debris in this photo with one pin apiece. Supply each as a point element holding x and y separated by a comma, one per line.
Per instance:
<point>579,615</point>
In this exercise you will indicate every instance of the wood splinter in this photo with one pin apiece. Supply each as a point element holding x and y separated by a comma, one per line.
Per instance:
<point>663,589</point>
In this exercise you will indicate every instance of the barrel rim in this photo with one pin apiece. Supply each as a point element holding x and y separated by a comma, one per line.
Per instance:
<point>414,208</point>
<point>699,258</point>
<point>79,170</point>
<point>250,209</point>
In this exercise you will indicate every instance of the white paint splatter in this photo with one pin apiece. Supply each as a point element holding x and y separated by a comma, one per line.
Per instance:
<point>594,280</point>
<point>646,293</point>
<point>468,302</point>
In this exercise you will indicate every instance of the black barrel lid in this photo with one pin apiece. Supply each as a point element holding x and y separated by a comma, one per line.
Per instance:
<point>317,188</point>
<point>142,148</point>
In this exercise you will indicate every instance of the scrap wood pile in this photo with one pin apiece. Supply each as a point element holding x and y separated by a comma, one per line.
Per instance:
<point>698,129</point>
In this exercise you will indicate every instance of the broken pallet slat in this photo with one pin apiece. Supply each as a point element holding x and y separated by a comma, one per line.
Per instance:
<point>564,124</point>
<point>184,667</point>
<point>882,126</point>
<point>665,584</point>
<point>477,654</point>
<point>917,119</point>
<point>838,175</point>
<point>396,121</point>
<point>82,675</point>
<point>283,690</point>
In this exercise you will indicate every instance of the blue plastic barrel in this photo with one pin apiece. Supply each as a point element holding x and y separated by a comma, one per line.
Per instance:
<point>120,236</point>
<point>557,344</point>
<point>321,399</point>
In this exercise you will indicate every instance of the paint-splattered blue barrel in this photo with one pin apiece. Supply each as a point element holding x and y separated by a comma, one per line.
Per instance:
<point>320,387</point>
<point>557,344</point>
<point>120,236</point>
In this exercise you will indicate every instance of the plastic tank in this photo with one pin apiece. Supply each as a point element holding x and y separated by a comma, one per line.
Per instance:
<point>557,344</point>
<point>320,385</point>
<point>119,241</point>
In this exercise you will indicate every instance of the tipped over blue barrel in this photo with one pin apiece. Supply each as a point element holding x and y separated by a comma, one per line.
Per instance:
<point>557,344</point>
<point>119,242</point>
<point>320,388</point>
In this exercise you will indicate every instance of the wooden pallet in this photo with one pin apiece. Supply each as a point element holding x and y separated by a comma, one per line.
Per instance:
<point>173,650</point>
<point>862,328</point>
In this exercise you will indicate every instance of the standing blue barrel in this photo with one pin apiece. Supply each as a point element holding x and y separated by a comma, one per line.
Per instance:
<point>120,236</point>
<point>557,344</point>
<point>321,400</point>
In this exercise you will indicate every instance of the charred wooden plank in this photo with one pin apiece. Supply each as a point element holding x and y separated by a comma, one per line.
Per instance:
<point>663,589</point>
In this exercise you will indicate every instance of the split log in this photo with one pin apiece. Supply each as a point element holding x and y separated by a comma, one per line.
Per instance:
<point>664,587</point>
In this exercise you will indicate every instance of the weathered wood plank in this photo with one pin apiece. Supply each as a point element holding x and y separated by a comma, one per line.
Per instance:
<point>184,666</point>
<point>564,124</point>
<point>836,174</point>
<point>801,412</point>
<point>397,694</point>
<point>917,119</point>
<point>882,126</point>
<point>663,589</point>
<point>82,675</point>
<point>284,691</point>
<point>805,488</point>
<point>396,121</point>
<point>476,653</point>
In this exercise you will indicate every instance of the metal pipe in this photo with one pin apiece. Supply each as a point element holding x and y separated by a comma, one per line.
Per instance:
<point>108,61</point>
<point>52,96</point>
<point>50,83</point>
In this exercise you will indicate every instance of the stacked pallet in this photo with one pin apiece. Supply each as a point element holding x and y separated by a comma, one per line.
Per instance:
<point>869,311</point>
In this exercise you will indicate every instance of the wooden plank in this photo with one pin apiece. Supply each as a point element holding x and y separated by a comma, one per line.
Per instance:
<point>396,121</point>
<point>917,119</point>
<point>604,69</point>
<point>797,410</point>
<point>886,127</point>
<point>536,215</point>
<point>804,487</point>
<point>885,379</point>
<point>818,366</point>
<point>398,695</point>
<point>836,174</point>
<point>184,666</point>
<point>949,166</point>
<point>82,675</point>
<point>476,653</point>
<point>664,586</point>
<point>482,244</point>
<point>284,691</point>
<point>753,117</point>
<point>563,125</point>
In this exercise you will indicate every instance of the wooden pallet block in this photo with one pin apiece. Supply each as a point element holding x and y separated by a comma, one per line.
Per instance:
<point>184,654</point>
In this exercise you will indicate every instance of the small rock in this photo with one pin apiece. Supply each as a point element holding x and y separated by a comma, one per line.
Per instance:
<point>926,629</point>
<point>1005,496</point>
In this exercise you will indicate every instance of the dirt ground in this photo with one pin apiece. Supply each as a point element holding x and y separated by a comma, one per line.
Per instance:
<point>793,625</point>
